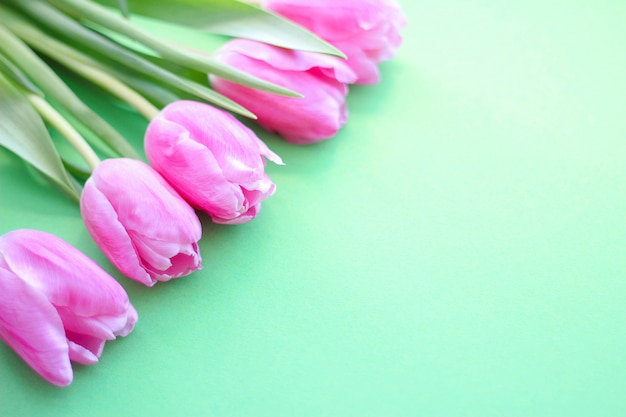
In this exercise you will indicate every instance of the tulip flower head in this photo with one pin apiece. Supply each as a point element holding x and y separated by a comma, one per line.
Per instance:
<point>321,79</point>
<point>367,31</point>
<point>57,305</point>
<point>140,222</point>
<point>215,162</point>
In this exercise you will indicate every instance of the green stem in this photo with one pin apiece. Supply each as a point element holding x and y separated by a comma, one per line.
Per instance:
<point>117,88</point>
<point>51,84</point>
<point>88,68</point>
<point>18,77</point>
<point>104,17</point>
<point>52,18</point>
<point>53,117</point>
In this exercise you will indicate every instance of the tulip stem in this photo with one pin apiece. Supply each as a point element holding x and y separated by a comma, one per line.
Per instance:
<point>88,68</point>
<point>56,120</point>
<point>114,86</point>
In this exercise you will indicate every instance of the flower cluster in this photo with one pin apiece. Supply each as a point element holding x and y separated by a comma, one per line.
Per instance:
<point>57,305</point>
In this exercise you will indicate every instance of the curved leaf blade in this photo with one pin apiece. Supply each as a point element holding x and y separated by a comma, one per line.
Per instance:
<point>23,132</point>
<point>123,6</point>
<point>17,77</point>
<point>53,86</point>
<point>234,18</point>
<point>87,11</point>
<point>91,41</point>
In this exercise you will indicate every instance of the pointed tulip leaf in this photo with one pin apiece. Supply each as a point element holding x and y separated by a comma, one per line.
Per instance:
<point>52,85</point>
<point>16,76</point>
<point>87,11</point>
<point>123,6</point>
<point>233,18</point>
<point>92,41</point>
<point>23,132</point>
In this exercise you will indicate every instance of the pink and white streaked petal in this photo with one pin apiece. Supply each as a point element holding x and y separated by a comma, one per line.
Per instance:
<point>30,325</point>
<point>196,173</point>
<point>82,355</point>
<point>317,116</point>
<point>291,60</point>
<point>110,235</point>
<point>65,275</point>
<point>151,214</point>
<point>366,31</point>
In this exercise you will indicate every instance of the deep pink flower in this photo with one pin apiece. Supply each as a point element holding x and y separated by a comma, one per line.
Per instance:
<point>141,224</point>
<point>57,305</point>
<point>320,78</point>
<point>367,31</point>
<point>215,162</point>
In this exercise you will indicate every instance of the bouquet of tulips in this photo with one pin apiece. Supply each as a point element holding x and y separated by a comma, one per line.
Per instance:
<point>287,66</point>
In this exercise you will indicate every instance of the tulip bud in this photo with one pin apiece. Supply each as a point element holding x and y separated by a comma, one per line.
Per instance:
<point>140,223</point>
<point>367,31</point>
<point>319,78</point>
<point>215,162</point>
<point>57,305</point>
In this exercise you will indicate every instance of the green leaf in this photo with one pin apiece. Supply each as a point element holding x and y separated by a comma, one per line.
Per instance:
<point>152,91</point>
<point>234,18</point>
<point>96,45</point>
<point>16,76</point>
<point>76,170</point>
<point>91,12</point>
<point>53,86</point>
<point>23,132</point>
<point>123,6</point>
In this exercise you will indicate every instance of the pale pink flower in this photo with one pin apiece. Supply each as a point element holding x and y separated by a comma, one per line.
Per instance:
<point>321,79</point>
<point>57,305</point>
<point>215,162</point>
<point>140,222</point>
<point>367,31</point>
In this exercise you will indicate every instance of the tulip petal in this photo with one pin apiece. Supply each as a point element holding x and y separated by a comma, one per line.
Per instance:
<point>151,256</point>
<point>64,274</point>
<point>110,235</point>
<point>59,303</point>
<point>145,203</point>
<point>291,60</point>
<point>366,31</point>
<point>101,326</point>
<point>95,326</point>
<point>183,262</point>
<point>317,116</point>
<point>166,260</point>
<point>250,214</point>
<point>211,159</point>
<point>139,221</point>
<point>363,65</point>
<point>81,354</point>
<point>30,325</point>
<point>84,349</point>
<point>191,168</point>
<point>235,147</point>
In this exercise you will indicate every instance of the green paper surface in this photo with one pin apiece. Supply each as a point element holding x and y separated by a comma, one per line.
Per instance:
<point>456,250</point>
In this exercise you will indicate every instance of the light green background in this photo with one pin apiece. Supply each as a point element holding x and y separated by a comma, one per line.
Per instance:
<point>457,250</point>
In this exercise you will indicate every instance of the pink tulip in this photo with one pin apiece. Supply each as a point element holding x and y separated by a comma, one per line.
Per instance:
<point>319,78</point>
<point>57,305</point>
<point>367,31</point>
<point>215,162</point>
<point>140,223</point>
